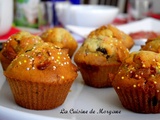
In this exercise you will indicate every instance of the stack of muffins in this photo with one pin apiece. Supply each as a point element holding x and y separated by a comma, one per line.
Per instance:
<point>40,74</point>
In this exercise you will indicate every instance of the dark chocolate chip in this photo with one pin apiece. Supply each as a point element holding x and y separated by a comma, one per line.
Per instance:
<point>102,50</point>
<point>154,101</point>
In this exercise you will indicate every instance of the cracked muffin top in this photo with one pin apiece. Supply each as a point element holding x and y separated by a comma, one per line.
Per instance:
<point>60,37</point>
<point>140,69</point>
<point>101,51</point>
<point>152,45</point>
<point>42,62</point>
<point>112,31</point>
<point>17,42</point>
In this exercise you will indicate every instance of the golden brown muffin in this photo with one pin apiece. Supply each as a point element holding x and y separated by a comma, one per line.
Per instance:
<point>41,78</point>
<point>16,43</point>
<point>152,45</point>
<point>98,60</point>
<point>112,31</point>
<point>137,82</point>
<point>60,37</point>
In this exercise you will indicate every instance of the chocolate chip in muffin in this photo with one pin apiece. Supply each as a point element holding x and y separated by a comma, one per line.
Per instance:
<point>17,40</point>
<point>102,50</point>
<point>154,101</point>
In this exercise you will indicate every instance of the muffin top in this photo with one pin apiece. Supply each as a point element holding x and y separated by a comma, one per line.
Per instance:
<point>18,42</point>
<point>101,51</point>
<point>140,69</point>
<point>152,45</point>
<point>43,63</point>
<point>60,37</point>
<point>112,31</point>
<point>103,31</point>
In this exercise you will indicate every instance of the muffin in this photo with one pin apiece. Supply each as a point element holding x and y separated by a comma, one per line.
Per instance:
<point>41,78</point>
<point>152,45</point>
<point>60,37</point>
<point>137,82</point>
<point>16,43</point>
<point>98,59</point>
<point>112,31</point>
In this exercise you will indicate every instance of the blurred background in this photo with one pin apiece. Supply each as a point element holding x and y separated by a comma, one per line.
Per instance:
<point>43,14</point>
<point>40,13</point>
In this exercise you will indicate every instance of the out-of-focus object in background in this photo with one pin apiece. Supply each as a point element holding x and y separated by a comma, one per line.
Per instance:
<point>75,1</point>
<point>45,14</point>
<point>156,11</point>
<point>121,4</point>
<point>6,16</point>
<point>39,14</point>
<point>26,13</point>
<point>85,15</point>
<point>139,9</point>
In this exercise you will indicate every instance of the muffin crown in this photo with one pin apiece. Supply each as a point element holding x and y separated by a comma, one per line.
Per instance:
<point>56,34</point>
<point>152,45</point>
<point>112,31</point>
<point>42,59</point>
<point>102,31</point>
<point>61,38</point>
<point>18,42</point>
<point>141,68</point>
<point>101,50</point>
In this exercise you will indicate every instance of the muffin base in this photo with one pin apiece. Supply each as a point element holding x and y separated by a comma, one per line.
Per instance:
<point>140,100</point>
<point>39,96</point>
<point>98,76</point>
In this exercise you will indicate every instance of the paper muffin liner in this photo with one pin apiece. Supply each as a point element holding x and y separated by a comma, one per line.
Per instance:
<point>39,96</point>
<point>98,76</point>
<point>140,100</point>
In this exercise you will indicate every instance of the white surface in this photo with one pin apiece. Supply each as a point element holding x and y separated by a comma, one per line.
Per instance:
<point>81,97</point>
<point>140,41</point>
<point>82,31</point>
<point>147,24</point>
<point>85,15</point>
